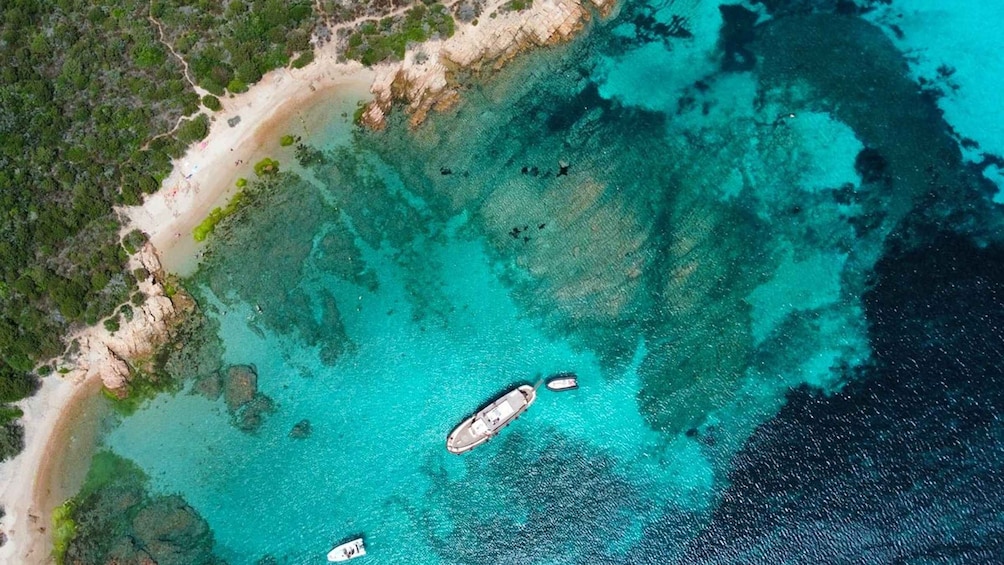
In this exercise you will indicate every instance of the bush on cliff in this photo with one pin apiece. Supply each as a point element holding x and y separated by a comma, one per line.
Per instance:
<point>372,43</point>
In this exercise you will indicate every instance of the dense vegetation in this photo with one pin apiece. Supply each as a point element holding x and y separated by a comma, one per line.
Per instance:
<point>229,45</point>
<point>93,107</point>
<point>376,41</point>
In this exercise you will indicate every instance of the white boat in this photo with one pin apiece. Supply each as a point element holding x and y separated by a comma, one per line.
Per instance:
<point>490,420</point>
<point>562,381</point>
<point>348,550</point>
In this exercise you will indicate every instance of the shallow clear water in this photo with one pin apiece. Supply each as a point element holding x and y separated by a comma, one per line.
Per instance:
<point>707,264</point>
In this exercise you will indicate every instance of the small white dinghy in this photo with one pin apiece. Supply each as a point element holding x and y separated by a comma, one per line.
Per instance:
<point>562,381</point>
<point>348,550</point>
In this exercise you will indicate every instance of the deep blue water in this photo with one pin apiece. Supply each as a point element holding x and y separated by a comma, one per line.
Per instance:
<point>764,237</point>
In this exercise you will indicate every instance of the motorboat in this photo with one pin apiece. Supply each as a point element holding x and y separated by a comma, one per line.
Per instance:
<point>348,550</point>
<point>562,381</point>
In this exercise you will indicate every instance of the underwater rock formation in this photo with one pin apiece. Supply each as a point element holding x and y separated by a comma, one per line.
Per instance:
<point>171,532</point>
<point>301,430</point>
<point>282,305</point>
<point>240,387</point>
<point>249,417</point>
<point>247,406</point>
<point>209,386</point>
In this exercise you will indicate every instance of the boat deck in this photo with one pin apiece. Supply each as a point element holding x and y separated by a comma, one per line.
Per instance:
<point>490,420</point>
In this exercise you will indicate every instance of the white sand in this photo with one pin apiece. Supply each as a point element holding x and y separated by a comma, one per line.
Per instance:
<point>31,484</point>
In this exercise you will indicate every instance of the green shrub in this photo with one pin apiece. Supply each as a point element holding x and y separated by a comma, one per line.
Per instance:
<point>241,182</point>
<point>15,385</point>
<point>237,86</point>
<point>305,58</point>
<point>371,44</point>
<point>193,130</point>
<point>10,413</point>
<point>11,440</point>
<point>212,102</point>
<point>206,227</point>
<point>133,241</point>
<point>112,324</point>
<point>266,166</point>
<point>287,140</point>
<point>64,528</point>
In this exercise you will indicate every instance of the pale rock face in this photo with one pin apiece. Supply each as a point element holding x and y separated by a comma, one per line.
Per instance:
<point>104,354</point>
<point>423,80</point>
<point>96,360</point>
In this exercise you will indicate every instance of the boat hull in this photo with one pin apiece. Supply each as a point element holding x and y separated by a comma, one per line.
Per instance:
<point>347,551</point>
<point>562,381</point>
<point>559,385</point>
<point>489,421</point>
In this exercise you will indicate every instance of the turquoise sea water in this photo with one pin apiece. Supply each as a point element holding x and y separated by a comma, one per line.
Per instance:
<point>730,189</point>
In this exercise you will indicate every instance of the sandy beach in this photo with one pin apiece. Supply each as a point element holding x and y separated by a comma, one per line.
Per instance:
<point>204,177</point>
<point>60,423</point>
<point>59,440</point>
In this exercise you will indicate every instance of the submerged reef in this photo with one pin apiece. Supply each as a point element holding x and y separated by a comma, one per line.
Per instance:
<point>301,430</point>
<point>245,404</point>
<point>277,220</point>
<point>115,519</point>
<point>714,211</point>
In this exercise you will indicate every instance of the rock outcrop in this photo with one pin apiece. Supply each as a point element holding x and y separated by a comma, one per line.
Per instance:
<point>423,81</point>
<point>107,355</point>
<point>247,406</point>
<point>121,521</point>
<point>240,386</point>
<point>250,417</point>
<point>171,532</point>
<point>209,386</point>
<point>301,430</point>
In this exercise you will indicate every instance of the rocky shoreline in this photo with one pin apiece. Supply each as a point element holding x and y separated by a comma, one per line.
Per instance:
<point>424,80</point>
<point>111,356</point>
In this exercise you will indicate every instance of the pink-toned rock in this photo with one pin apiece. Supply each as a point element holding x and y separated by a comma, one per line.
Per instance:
<point>108,355</point>
<point>95,360</point>
<point>423,78</point>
